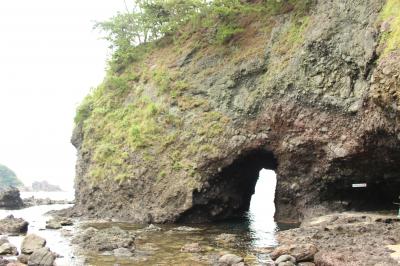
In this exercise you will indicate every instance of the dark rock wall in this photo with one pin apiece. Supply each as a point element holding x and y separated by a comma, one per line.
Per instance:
<point>312,107</point>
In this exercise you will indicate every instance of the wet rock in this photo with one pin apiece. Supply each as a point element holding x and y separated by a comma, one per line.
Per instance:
<point>58,223</point>
<point>186,229</point>
<point>53,224</point>
<point>230,259</point>
<point>346,238</point>
<point>8,249</point>
<point>192,248</point>
<point>285,258</point>
<point>302,252</point>
<point>122,252</point>
<point>107,239</point>
<point>31,243</point>
<point>151,228</point>
<point>42,257</point>
<point>10,198</point>
<point>13,226</point>
<point>23,258</point>
<point>226,238</point>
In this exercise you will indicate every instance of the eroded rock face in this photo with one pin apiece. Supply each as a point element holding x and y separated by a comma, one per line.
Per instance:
<point>307,112</point>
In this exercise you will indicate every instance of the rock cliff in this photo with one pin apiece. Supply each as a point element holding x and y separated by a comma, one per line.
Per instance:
<point>313,94</point>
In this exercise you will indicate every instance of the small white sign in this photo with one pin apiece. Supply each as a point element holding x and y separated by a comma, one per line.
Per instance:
<point>359,185</point>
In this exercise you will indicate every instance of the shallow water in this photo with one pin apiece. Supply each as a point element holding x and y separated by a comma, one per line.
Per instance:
<point>37,221</point>
<point>256,230</point>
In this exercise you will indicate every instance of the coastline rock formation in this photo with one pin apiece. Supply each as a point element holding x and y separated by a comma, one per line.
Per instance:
<point>10,198</point>
<point>44,186</point>
<point>181,135</point>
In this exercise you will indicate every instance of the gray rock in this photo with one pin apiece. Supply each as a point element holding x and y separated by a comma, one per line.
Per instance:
<point>107,239</point>
<point>230,259</point>
<point>226,238</point>
<point>31,243</point>
<point>122,252</point>
<point>10,198</point>
<point>42,257</point>
<point>285,258</point>
<point>8,249</point>
<point>13,226</point>
<point>58,223</point>
<point>23,258</point>
<point>53,224</point>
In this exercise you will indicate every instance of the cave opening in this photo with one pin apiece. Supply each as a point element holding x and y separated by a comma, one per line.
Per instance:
<point>260,217</point>
<point>228,194</point>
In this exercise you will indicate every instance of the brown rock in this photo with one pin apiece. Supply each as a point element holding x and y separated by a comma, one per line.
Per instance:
<point>302,252</point>
<point>31,243</point>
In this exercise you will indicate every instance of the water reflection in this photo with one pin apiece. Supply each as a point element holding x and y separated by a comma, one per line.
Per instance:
<point>262,225</point>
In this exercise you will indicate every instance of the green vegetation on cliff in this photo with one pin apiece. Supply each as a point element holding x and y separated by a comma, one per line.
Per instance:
<point>146,114</point>
<point>8,177</point>
<point>390,16</point>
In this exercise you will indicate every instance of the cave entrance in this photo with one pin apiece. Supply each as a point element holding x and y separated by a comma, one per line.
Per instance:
<point>228,194</point>
<point>262,225</point>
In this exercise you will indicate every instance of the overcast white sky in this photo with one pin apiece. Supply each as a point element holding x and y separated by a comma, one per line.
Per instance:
<point>49,59</point>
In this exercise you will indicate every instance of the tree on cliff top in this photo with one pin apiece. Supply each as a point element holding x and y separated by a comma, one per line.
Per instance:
<point>8,177</point>
<point>151,20</point>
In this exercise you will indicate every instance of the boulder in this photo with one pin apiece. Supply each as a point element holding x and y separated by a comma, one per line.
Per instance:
<point>107,239</point>
<point>285,258</point>
<point>23,258</point>
<point>31,243</point>
<point>226,238</point>
<point>302,252</point>
<point>192,248</point>
<point>58,223</point>
<point>42,257</point>
<point>10,198</point>
<point>230,259</point>
<point>122,252</point>
<point>13,226</point>
<point>8,249</point>
<point>53,224</point>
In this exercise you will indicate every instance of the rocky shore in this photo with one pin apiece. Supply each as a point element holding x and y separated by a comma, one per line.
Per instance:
<point>341,239</point>
<point>33,250</point>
